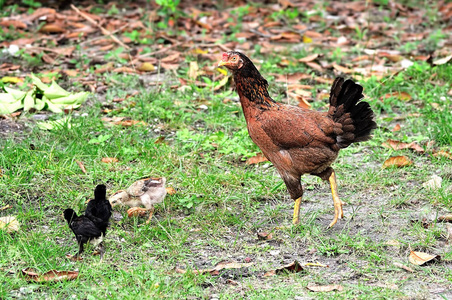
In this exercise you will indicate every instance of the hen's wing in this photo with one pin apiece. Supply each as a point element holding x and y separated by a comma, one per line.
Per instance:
<point>292,127</point>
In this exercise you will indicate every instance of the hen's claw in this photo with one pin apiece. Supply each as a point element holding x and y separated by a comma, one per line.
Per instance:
<point>136,211</point>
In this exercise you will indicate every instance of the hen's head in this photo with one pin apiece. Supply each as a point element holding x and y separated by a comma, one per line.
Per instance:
<point>240,65</point>
<point>233,60</point>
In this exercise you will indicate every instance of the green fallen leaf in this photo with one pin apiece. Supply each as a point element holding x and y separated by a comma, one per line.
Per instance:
<point>38,83</point>
<point>29,101</point>
<point>55,91</point>
<point>16,94</point>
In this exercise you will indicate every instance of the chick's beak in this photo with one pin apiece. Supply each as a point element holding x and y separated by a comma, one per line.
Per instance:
<point>222,63</point>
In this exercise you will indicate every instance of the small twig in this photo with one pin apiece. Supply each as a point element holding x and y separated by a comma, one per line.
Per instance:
<point>104,31</point>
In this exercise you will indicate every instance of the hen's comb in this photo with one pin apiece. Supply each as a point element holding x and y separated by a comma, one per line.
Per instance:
<point>225,56</point>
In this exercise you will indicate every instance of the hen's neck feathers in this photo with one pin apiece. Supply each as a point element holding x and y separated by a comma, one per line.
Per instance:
<point>251,85</point>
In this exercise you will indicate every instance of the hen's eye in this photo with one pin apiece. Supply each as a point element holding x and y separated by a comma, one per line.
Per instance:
<point>234,58</point>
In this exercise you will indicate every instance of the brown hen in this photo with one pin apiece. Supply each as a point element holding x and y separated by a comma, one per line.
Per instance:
<point>297,140</point>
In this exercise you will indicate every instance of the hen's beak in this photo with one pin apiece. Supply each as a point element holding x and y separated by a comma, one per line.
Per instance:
<point>222,63</point>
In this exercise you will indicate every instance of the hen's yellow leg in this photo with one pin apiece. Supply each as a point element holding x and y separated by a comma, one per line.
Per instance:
<point>296,212</point>
<point>338,212</point>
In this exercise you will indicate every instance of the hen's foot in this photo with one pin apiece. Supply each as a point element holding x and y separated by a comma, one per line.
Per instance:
<point>338,212</point>
<point>151,213</point>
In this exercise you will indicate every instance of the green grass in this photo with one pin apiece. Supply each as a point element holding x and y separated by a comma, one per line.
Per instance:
<point>221,203</point>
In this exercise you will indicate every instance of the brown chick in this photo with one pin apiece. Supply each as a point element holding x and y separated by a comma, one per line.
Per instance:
<point>297,140</point>
<point>146,192</point>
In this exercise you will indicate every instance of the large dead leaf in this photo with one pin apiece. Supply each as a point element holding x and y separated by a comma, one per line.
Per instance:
<point>49,276</point>
<point>9,223</point>
<point>220,266</point>
<point>434,183</point>
<point>397,161</point>
<point>258,158</point>
<point>420,258</point>
<point>293,267</point>
<point>397,145</point>
<point>324,288</point>
<point>443,60</point>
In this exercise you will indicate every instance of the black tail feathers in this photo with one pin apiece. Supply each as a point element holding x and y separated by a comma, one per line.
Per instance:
<point>356,117</point>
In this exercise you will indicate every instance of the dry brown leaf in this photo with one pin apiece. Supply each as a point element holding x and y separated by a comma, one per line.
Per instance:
<point>258,158</point>
<point>443,153</point>
<point>13,23</point>
<point>397,161</point>
<point>109,160</point>
<point>293,267</point>
<point>159,140</point>
<point>129,123</point>
<point>309,58</point>
<point>420,258</point>
<point>396,128</point>
<point>324,288</point>
<point>169,66</point>
<point>52,28</point>
<point>302,102</point>
<point>70,73</point>
<point>315,66</point>
<point>397,145</point>
<point>170,190</point>
<point>50,276</point>
<point>404,96</point>
<point>220,266</point>
<point>291,78</point>
<point>173,58</point>
<point>445,218</point>
<point>342,69</point>
<point>264,236</point>
<point>82,167</point>
<point>124,70</point>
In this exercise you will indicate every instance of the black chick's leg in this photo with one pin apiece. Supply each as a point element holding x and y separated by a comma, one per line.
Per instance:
<point>101,250</point>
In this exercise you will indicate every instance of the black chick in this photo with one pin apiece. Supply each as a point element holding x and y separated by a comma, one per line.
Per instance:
<point>84,229</point>
<point>99,209</point>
